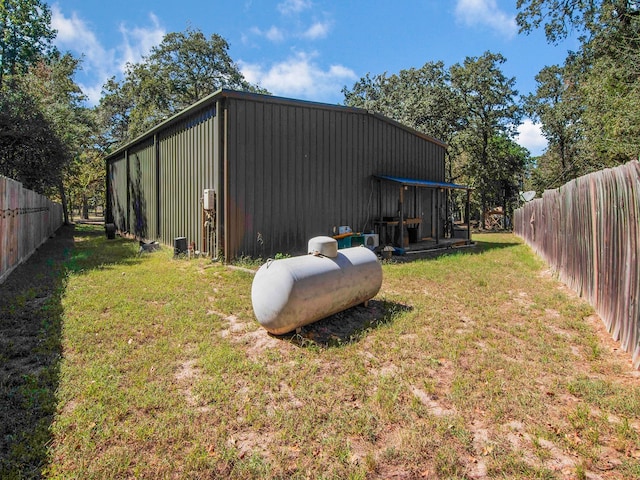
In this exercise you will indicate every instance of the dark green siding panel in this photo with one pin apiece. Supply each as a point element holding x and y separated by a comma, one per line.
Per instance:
<point>293,170</point>
<point>185,170</point>
<point>297,171</point>
<point>117,184</point>
<point>143,192</point>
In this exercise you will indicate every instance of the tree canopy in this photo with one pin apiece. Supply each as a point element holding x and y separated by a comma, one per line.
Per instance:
<point>471,106</point>
<point>32,75</point>
<point>590,18</point>
<point>50,140</point>
<point>184,68</point>
<point>44,124</point>
<point>25,35</point>
<point>418,97</point>
<point>590,106</point>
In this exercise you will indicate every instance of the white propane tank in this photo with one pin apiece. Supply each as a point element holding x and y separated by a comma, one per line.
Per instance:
<point>293,292</point>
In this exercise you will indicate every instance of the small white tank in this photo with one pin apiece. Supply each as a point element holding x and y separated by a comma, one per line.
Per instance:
<point>293,292</point>
<point>325,246</point>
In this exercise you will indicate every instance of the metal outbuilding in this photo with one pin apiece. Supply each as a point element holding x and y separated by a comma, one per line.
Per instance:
<point>247,174</point>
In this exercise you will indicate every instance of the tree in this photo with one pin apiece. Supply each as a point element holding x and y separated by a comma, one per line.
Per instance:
<point>84,180</point>
<point>44,126</point>
<point>419,98</point>
<point>556,106</point>
<point>471,107</point>
<point>183,69</point>
<point>28,146</point>
<point>114,113</point>
<point>491,111</point>
<point>30,151</point>
<point>591,18</point>
<point>605,72</point>
<point>610,93</point>
<point>510,163</point>
<point>370,94</point>
<point>25,35</point>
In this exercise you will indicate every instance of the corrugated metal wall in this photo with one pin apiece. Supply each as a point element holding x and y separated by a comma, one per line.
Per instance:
<point>295,171</point>
<point>284,170</point>
<point>156,185</point>
<point>118,187</point>
<point>143,191</point>
<point>186,169</point>
<point>588,231</point>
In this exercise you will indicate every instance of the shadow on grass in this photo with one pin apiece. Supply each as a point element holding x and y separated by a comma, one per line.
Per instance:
<point>31,318</point>
<point>94,251</point>
<point>493,240</point>
<point>482,242</point>
<point>348,326</point>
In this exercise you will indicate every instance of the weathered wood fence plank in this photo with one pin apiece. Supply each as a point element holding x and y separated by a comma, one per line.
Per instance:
<point>27,220</point>
<point>587,231</point>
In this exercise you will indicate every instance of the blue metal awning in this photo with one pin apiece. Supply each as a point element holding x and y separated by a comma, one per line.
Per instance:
<point>414,182</point>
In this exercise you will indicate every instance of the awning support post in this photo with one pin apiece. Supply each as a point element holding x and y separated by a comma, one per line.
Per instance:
<point>438,191</point>
<point>467,214</point>
<point>401,213</point>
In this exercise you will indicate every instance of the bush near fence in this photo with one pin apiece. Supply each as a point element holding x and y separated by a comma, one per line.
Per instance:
<point>27,220</point>
<point>587,231</point>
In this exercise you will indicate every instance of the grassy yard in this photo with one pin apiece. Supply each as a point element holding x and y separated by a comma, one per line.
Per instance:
<point>477,364</point>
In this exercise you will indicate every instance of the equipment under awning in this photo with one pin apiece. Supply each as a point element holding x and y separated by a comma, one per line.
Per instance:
<point>404,182</point>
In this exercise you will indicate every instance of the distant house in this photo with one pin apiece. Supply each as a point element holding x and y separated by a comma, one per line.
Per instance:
<point>272,173</point>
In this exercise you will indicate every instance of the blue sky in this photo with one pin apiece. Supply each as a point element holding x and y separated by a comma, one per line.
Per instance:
<point>309,49</point>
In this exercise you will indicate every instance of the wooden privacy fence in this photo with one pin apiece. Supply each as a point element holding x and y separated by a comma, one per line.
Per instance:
<point>587,230</point>
<point>27,220</point>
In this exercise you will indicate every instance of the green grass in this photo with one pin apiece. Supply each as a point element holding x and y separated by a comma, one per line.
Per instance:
<point>30,350</point>
<point>480,364</point>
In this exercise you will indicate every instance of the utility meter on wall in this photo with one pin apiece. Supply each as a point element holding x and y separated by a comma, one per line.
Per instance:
<point>209,199</point>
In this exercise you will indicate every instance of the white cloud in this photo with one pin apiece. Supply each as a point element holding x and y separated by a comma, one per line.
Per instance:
<point>274,34</point>
<point>530,136</point>
<point>76,36</point>
<point>93,92</point>
<point>299,76</point>
<point>486,12</point>
<point>289,7</point>
<point>277,35</point>
<point>317,30</point>
<point>99,63</point>
<point>138,41</point>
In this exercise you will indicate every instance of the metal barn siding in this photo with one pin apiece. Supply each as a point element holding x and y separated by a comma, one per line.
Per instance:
<point>283,170</point>
<point>118,205</point>
<point>186,169</point>
<point>295,170</point>
<point>143,207</point>
<point>155,183</point>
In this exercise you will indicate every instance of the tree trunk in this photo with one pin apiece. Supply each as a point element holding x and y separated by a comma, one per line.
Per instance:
<point>63,199</point>
<point>504,209</point>
<point>85,208</point>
